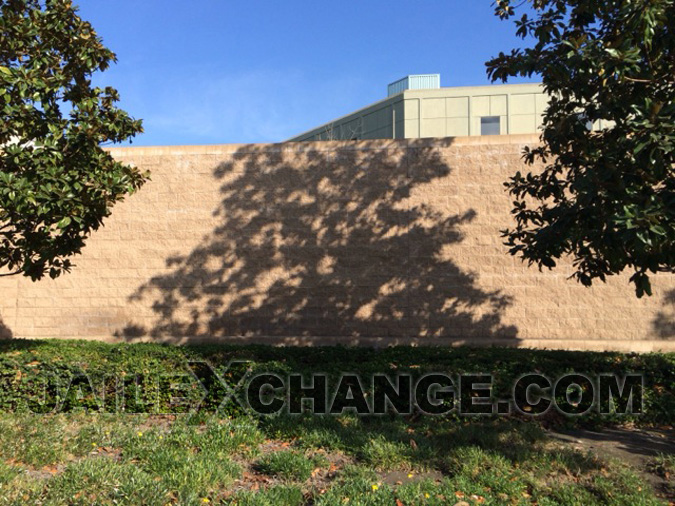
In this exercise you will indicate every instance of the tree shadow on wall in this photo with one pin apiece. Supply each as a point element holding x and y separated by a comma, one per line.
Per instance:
<point>5,331</point>
<point>664,323</point>
<point>317,243</point>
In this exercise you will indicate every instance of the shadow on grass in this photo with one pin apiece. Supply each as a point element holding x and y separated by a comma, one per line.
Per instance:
<point>337,241</point>
<point>430,443</point>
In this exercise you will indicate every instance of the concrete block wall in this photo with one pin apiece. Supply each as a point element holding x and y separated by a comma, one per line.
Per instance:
<point>372,242</point>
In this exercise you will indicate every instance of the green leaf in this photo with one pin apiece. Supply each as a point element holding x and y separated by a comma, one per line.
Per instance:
<point>64,222</point>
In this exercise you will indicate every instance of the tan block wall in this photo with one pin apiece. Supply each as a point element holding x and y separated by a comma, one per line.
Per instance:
<point>372,242</point>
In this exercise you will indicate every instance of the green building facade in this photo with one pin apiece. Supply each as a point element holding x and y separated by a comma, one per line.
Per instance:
<point>439,112</point>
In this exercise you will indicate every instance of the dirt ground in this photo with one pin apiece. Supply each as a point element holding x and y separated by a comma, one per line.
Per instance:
<point>635,447</point>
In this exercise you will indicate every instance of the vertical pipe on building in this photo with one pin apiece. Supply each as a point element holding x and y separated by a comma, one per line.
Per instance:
<point>508,113</point>
<point>393,121</point>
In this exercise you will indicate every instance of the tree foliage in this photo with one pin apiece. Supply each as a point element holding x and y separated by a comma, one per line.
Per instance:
<point>56,182</point>
<point>605,197</point>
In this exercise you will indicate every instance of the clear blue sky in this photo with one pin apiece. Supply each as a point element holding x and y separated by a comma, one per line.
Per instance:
<point>220,71</point>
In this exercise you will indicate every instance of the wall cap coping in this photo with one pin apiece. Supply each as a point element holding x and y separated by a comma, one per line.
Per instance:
<point>304,146</point>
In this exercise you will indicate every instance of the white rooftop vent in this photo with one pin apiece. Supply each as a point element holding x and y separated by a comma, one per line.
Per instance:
<point>415,82</point>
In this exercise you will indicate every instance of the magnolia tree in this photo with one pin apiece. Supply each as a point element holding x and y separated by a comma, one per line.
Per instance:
<point>606,196</point>
<point>56,182</point>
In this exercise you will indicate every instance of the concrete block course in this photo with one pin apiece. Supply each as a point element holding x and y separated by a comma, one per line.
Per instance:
<point>370,242</point>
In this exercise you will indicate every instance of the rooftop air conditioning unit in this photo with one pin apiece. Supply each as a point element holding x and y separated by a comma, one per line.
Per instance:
<point>415,82</point>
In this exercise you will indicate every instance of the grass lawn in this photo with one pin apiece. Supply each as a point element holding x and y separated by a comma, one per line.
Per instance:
<point>89,456</point>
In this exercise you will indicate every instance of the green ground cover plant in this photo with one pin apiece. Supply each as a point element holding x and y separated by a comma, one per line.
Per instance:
<point>89,456</point>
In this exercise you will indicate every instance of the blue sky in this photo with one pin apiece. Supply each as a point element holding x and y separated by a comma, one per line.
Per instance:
<point>219,71</point>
